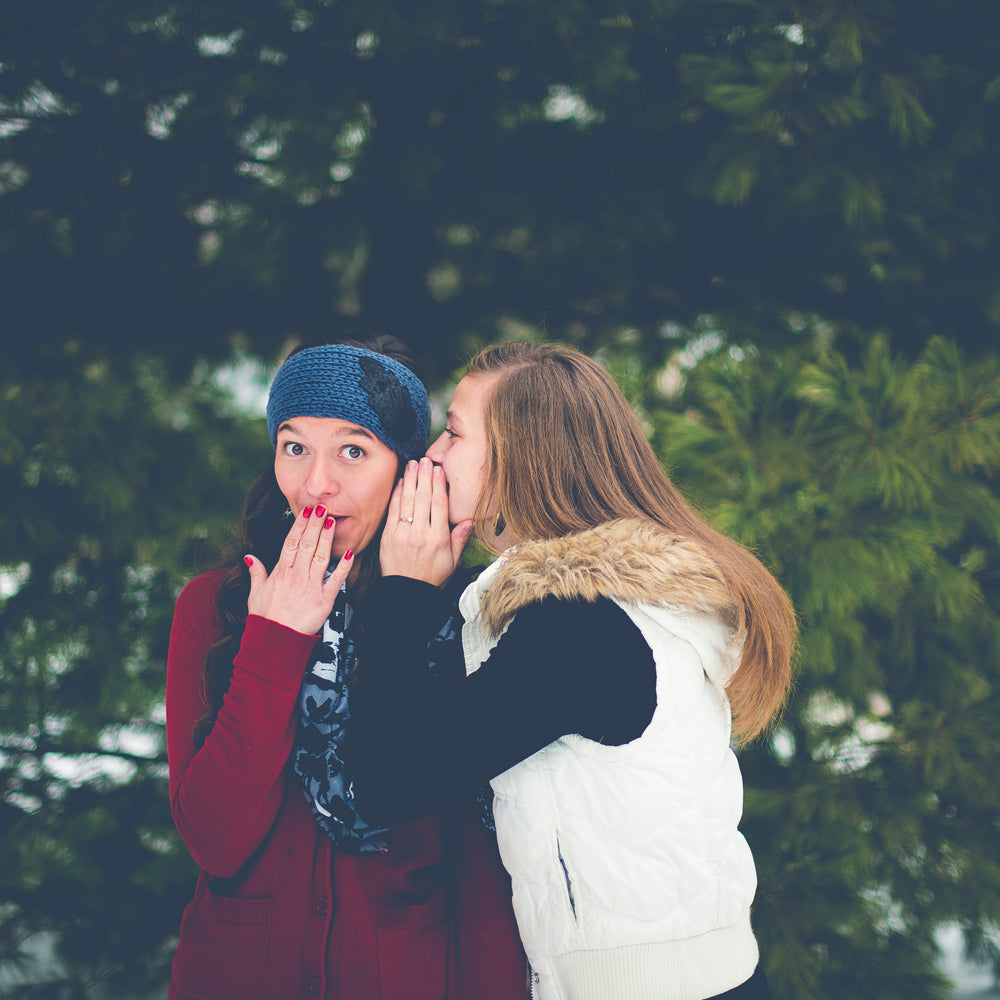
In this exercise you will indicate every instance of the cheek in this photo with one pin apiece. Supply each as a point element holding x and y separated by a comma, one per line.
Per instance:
<point>452,464</point>
<point>381,499</point>
<point>469,467</point>
<point>378,492</point>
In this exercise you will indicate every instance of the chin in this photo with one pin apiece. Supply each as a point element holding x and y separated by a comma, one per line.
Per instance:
<point>357,546</point>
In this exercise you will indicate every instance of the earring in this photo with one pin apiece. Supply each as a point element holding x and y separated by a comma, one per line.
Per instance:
<point>287,514</point>
<point>499,524</point>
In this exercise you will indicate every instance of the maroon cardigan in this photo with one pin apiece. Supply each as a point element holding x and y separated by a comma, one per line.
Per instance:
<point>277,911</point>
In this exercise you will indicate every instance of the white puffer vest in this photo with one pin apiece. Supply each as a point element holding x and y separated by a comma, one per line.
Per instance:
<point>630,877</point>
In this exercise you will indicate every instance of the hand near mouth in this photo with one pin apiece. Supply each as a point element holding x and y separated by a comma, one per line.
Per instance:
<point>417,540</point>
<point>297,593</point>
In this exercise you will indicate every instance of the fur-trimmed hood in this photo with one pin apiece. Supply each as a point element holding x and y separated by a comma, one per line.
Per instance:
<point>634,561</point>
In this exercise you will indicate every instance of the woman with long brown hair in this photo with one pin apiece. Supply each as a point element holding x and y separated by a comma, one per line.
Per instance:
<point>616,651</point>
<point>299,897</point>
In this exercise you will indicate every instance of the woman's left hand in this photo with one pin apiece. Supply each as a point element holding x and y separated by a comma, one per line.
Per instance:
<point>417,540</point>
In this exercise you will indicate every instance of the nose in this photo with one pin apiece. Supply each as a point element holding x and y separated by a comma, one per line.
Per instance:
<point>322,480</point>
<point>436,451</point>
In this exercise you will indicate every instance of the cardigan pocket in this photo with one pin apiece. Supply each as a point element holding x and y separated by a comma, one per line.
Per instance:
<point>413,946</point>
<point>223,948</point>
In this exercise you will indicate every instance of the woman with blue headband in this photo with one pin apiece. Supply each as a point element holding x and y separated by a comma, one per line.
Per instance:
<point>297,896</point>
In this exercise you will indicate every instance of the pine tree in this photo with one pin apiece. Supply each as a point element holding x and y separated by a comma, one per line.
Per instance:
<point>870,489</point>
<point>656,182</point>
<point>443,172</point>
<point>117,485</point>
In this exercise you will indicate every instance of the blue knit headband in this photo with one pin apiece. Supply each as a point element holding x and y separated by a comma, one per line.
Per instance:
<point>355,384</point>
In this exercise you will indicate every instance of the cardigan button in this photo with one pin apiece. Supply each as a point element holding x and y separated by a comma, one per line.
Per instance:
<point>322,904</point>
<point>314,986</point>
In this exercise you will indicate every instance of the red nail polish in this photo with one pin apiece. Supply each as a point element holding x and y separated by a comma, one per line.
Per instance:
<point>320,510</point>
<point>329,522</point>
<point>307,511</point>
<point>348,554</point>
<point>248,560</point>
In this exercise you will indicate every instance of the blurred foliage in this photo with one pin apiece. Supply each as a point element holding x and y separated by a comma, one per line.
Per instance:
<point>175,175</point>
<point>117,486</point>
<point>871,490</point>
<point>776,224</point>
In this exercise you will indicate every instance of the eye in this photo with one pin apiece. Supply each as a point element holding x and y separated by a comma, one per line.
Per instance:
<point>293,448</point>
<point>450,433</point>
<point>354,451</point>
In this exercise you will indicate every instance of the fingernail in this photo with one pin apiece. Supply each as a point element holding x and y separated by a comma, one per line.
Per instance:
<point>320,510</point>
<point>425,461</point>
<point>248,560</point>
<point>307,511</point>
<point>348,554</point>
<point>329,523</point>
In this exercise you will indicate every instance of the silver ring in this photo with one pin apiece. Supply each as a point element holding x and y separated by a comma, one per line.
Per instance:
<point>408,520</point>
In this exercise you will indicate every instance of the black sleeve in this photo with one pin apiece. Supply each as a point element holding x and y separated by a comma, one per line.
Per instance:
<point>562,667</point>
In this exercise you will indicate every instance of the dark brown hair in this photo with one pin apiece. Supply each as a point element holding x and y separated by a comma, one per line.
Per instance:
<point>261,531</point>
<point>565,453</point>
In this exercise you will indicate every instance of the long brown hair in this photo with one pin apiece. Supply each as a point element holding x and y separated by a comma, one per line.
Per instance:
<point>262,530</point>
<point>565,453</point>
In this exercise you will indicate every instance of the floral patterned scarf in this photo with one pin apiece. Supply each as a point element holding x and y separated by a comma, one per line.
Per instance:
<point>324,720</point>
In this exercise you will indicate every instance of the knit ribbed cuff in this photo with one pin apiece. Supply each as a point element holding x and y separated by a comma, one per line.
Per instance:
<point>274,652</point>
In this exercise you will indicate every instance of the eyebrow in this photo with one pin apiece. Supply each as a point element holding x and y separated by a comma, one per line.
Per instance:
<point>452,417</point>
<point>353,430</point>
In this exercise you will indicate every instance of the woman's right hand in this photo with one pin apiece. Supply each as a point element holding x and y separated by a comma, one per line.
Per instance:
<point>417,540</point>
<point>295,593</point>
